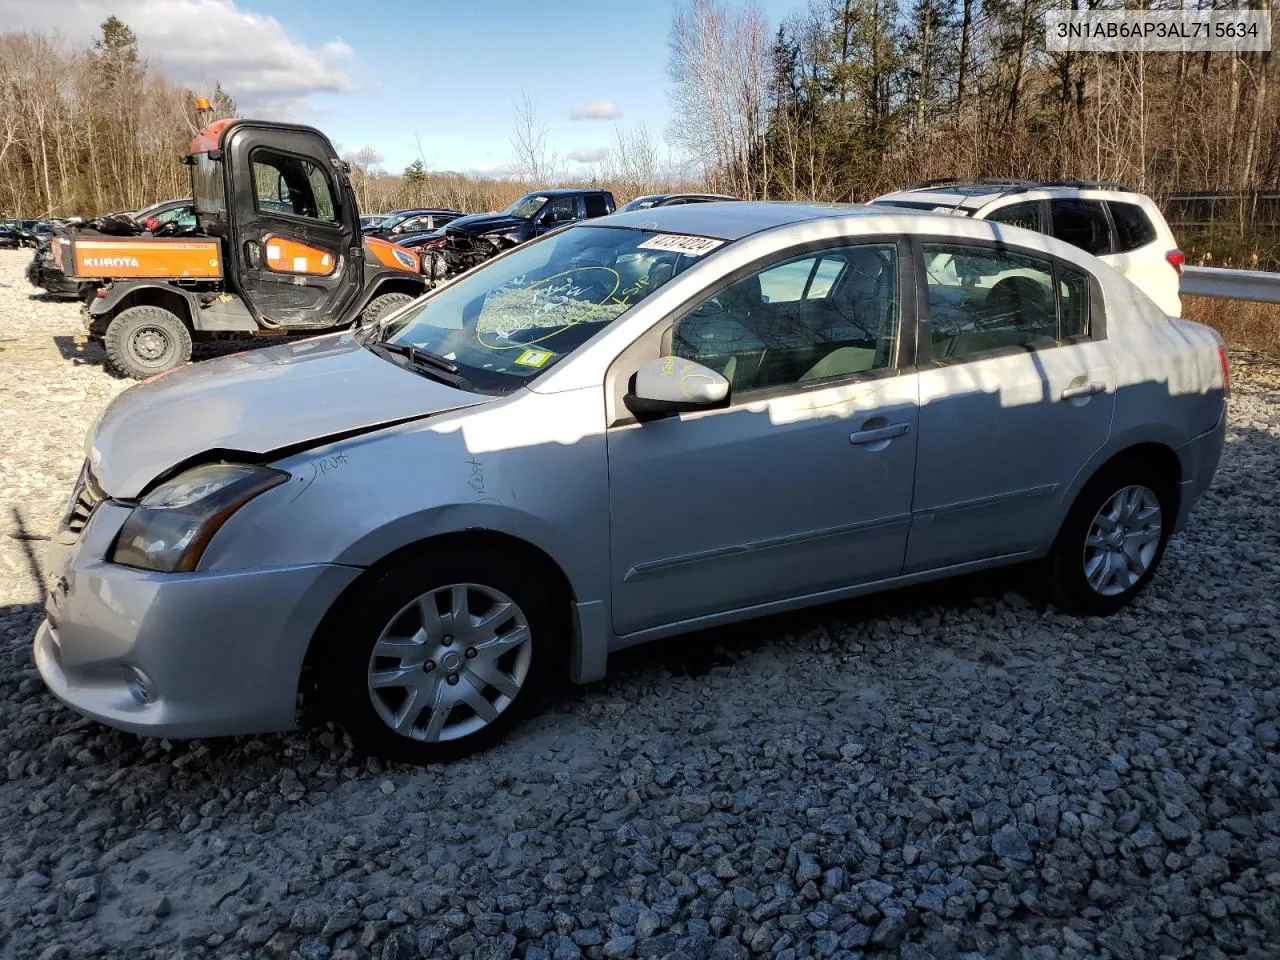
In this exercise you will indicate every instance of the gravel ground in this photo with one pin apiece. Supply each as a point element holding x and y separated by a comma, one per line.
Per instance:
<point>947,772</point>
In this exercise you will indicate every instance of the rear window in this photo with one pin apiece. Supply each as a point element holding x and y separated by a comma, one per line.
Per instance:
<point>1081,223</point>
<point>596,207</point>
<point>1028,215</point>
<point>1133,229</point>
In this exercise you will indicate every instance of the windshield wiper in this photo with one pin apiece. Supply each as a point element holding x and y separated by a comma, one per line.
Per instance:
<point>426,362</point>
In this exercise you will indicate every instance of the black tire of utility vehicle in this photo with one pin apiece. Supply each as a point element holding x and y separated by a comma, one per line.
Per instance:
<point>347,639</point>
<point>1067,585</point>
<point>384,304</point>
<point>141,342</point>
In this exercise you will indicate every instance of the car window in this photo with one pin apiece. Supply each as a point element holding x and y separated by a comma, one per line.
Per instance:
<point>596,207</point>
<point>293,185</point>
<point>1028,215</point>
<point>982,300</point>
<point>563,208</point>
<point>1133,229</point>
<point>414,224</point>
<point>1081,223</point>
<point>804,336</point>
<point>440,219</point>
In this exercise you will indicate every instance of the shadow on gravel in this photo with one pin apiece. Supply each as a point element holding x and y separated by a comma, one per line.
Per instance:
<point>694,654</point>
<point>82,351</point>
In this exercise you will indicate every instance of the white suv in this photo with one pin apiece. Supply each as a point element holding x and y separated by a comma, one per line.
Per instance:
<point>1110,221</point>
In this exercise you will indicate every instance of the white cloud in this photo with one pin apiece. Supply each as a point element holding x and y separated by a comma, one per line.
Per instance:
<point>588,154</point>
<point>596,110</point>
<point>265,70</point>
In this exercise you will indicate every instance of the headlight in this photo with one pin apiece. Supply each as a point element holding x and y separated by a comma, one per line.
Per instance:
<point>169,529</point>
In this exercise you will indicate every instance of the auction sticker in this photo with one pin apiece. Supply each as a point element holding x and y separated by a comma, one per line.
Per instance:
<point>681,243</point>
<point>533,358</point>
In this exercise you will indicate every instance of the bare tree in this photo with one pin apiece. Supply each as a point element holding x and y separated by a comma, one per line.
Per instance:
<point>634,164</point>
<point>532,157</point>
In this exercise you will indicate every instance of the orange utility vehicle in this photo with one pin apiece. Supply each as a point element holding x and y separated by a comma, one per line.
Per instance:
<point>276,249</point>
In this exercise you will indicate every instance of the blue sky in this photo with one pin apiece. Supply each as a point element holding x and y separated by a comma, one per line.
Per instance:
<point>450,72</point>
<point>384,72</point>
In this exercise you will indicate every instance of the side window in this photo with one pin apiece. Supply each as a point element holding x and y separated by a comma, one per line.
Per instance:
<point>981,300</point>
<point>1073,303</point>
<point>440,219</point>
<point>1133,229</point>
<point>292,185</point>
<point>563,209</point>
<point>761,344</point>
<point>596,207</point>
<point>1081,223</point>
<point>1029,215</point>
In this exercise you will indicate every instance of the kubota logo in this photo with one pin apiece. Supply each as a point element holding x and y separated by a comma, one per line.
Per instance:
<point>110,261</point>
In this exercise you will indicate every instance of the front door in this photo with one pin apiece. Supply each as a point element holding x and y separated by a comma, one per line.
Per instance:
<point>295,231</point>
<point>1017,391</point>
<point>802,484</point>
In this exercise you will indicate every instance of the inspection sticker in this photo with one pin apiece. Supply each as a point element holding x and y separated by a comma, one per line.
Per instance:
<point>681,243</point>
<point>533,358</point>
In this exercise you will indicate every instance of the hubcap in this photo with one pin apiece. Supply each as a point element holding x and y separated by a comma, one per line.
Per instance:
<point>1122,540</point>
<point>449,662</point>
<point>150,343</point>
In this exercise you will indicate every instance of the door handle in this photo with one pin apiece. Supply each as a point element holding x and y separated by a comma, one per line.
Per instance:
<point>876,434</point>
<point>1083,390</point>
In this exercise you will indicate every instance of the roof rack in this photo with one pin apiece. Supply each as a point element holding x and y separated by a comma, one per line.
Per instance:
<point>970,181</point>
<point>1087,184</point>
<point>1016,184</point>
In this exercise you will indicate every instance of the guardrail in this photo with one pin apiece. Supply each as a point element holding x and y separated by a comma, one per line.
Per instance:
<point>1257,285</point>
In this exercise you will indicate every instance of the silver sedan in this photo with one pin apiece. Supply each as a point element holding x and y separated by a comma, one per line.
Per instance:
<point>646,425</point>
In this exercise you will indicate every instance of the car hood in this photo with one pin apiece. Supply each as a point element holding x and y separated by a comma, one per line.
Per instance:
<point>485,223</point>
<point>254,403</point>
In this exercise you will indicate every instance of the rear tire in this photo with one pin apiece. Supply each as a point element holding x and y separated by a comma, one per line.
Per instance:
<point>141,342</point>
<point>395,654</point>
<point>1113,539</point>
<point>384,304</point>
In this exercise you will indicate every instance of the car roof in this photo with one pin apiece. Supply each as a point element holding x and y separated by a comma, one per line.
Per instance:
<point>973,196</point>
<point>398,213</point>
<point>561,191</point>
<point>733,221</point>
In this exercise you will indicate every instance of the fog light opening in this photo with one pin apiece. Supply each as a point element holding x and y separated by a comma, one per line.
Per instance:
<point>141,688</point>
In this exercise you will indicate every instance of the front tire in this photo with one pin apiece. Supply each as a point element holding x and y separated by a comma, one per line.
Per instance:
<point>383,304</point>
<point>141,342</point>
<point>1113,539</point>
<point>438,656</point>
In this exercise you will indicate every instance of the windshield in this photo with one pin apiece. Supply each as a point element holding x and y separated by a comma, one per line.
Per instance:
<point>519,315</point>
<point>639,203</point>
<point>206,186</point>
<point>526,207</point>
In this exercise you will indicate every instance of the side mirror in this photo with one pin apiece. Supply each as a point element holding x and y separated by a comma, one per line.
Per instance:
<point>397,229</point>
<point>546,219</point>
<point>672,385</point>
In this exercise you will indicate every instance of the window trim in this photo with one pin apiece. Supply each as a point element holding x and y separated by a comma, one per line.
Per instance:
<point>651,344</point>
<point>335,197</point>
<point>924,322</point>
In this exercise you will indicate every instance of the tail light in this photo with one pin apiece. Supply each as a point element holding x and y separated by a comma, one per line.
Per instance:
<point>1226,371</point>
<point>1176,259</point>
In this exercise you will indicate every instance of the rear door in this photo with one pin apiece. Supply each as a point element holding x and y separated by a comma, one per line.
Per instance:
<point>1017,393</point>
<point>295,230</point>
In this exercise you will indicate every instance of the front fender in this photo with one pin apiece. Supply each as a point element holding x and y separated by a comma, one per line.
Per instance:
<point>531,466</point>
